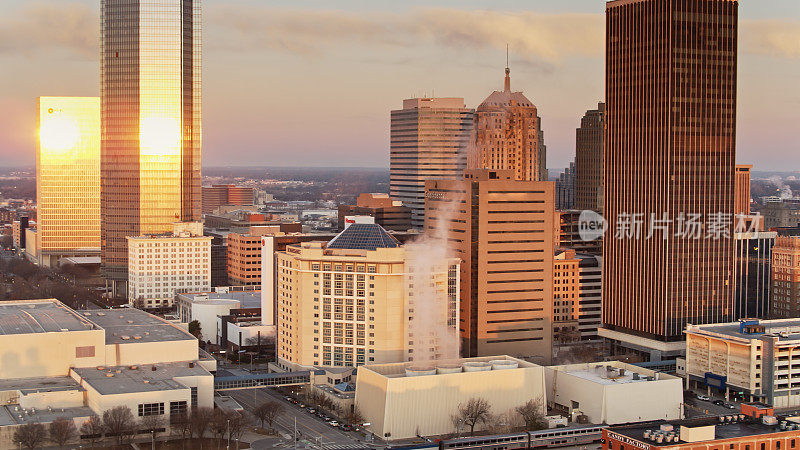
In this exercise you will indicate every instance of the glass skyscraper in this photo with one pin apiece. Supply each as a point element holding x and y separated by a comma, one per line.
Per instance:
<point>150,115</point>
<point>67,178</point>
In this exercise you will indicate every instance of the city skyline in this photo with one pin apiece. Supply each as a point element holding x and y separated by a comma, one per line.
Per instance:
<point>373,68</point>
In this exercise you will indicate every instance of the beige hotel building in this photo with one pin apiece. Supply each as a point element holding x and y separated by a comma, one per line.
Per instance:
<point>67,178</point>
<point>352,302</point>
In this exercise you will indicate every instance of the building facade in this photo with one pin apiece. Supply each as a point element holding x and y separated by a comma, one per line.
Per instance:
<point>785,277</point>
<point>569,235</point>
<point>681,164</point>
<point>150,123</point>
<point>359,300</point>
<point>67,178</point>
<point>589,142</point>
<point>509,136</point>
<point>502,231</point>
<point>753,273</point>
<point>226,195</point>
<point>565,189</point>
<point>161,266</point>
<point>389,213</point>
<point>428,140</point>
<point>577,298</point>
<point>751,360</point>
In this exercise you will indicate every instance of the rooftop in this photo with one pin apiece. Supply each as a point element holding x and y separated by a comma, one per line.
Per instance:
<point>723,430</point>
<point>612,373</point>
<point>14,415</point>
<point>129,324</point>
<point>448,366</point>
<point>246,299</point>
<point>363,236</point>
<point>39,316</point>
<point>39,384</point>
<point>783,329</point>
<point>131,379</point>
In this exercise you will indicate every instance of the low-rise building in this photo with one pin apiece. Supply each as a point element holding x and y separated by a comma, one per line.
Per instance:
<point>387,212</point>
<point>785,277</point>
<point>90,361</point>
<point>708,433</point>
<point>613,392</point>
<point>160,266</point>
<point>406,400</point>
<point>751,359</point>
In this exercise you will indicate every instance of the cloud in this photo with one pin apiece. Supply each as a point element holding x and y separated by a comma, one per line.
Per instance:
<point>44,25</point>
<point>778,38</point>
<point>533,37</point>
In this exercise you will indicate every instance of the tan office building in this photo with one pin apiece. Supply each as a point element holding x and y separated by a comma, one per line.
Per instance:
<point>785,279</point>
<point>359,300</point>
<point>508,135</point>
<point>503,232</point>
<point>429,137</point>
<point>589,141</point>
<point>67,178</point>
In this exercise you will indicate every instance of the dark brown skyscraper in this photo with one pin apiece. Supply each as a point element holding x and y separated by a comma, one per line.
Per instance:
<point>589,159</point>
<point>669,153</point>
<point>150,123</point>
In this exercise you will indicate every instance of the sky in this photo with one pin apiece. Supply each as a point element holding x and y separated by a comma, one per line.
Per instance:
<point>312,82</point>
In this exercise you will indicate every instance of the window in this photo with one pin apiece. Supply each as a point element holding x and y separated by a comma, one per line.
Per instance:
<point>194,396</point>
<point>151,409</point>
<point>177,408</point>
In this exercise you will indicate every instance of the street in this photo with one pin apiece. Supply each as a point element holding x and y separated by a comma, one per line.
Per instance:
<point>311,430</point>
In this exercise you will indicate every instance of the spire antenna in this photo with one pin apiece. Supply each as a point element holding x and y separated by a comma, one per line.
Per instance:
<point>507,86</point>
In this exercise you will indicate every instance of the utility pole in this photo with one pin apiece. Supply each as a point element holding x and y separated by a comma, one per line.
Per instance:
<point>295,432</point>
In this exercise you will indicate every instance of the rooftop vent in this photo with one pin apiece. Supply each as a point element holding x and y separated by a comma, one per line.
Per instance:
<point>101,314</point>
<point>101,368</point>
<point>124,337</point>
<point>133,367</point>
<point>129,321</point>
<point>153,368</point>
<point>191,365</point>
<point>109,375</point>
<point>137,337</point>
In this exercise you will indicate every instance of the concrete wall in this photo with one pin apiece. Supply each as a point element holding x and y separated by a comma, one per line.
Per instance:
<point>48,354</point>
<point>615,403</point>
<point>138,352</point>
<point>406,406</point>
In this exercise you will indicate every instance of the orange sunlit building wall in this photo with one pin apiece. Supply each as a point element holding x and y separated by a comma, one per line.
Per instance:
<point>742,196</point>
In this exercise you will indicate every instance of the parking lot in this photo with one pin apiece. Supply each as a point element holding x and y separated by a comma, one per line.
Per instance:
<point>700,404</point>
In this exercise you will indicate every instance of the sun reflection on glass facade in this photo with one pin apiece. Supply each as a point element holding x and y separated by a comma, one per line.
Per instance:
<point>68,177</point>
<point>150,90</point>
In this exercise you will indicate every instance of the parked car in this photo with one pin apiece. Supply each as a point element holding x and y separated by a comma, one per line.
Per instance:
<point>703,397</point>
<point>333,423</point>
<point>718,402</point>
<point>729,406</point>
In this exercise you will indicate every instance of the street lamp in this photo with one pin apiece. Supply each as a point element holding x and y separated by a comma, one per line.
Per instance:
<point>229,434</point>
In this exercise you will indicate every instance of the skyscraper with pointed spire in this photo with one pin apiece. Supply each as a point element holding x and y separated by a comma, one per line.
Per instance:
<point>508,135</point>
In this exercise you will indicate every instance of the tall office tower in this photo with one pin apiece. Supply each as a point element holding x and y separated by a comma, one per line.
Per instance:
<point>589,139</point>
<point>429,137</point>
<point>68,178</point>
<point>669,154</point>
<point>502,230</point>
<point>150,122</point>
<point>363,298</point>
<point>565,189</point>
<point>752,273</point>
<point>508,135</point>
<point>741,202</point>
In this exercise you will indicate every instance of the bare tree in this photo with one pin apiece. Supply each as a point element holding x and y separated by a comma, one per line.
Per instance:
<point>475,411</point>
<point>219,423</point>
<point>237,424</point>
<point>268,412</point>
<point>354,417</point>
<point>152,424</point>
<point>120,423</point>
<point>62,431</point>
<point>30,435</point>
<point>200,421</point>
<point>532,412</point>
<point>92,430</point>
<point>181,426</point>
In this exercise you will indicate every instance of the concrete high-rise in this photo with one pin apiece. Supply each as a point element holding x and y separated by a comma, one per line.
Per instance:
<point>502,230</point>
<point>68,178</point>
<point>429,137</point>
<point>589,140</point>
<point>150,122</point>
<point>565,189</point>
<point>508,135</point>
<point>669,154</point>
